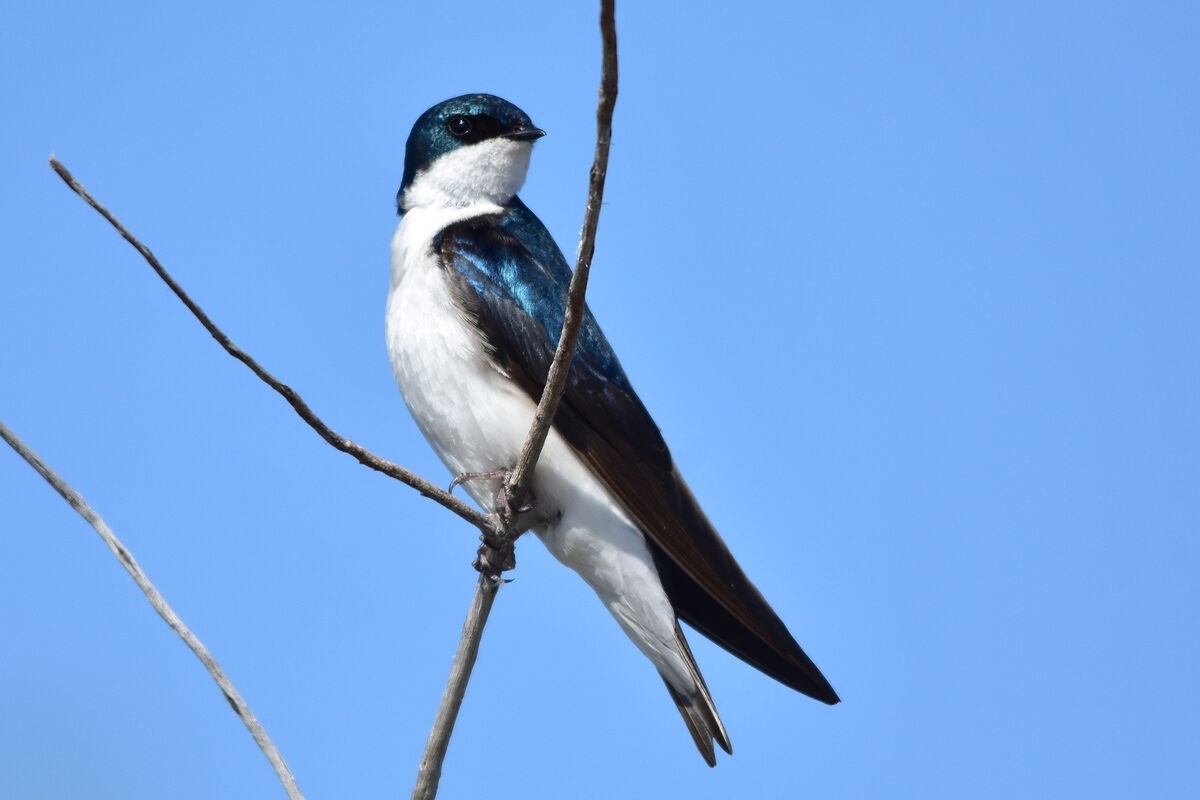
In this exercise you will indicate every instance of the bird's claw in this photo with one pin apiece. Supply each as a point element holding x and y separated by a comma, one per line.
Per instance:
<point>467,477</point>
<point>507,506</point>
<point>497,553</point>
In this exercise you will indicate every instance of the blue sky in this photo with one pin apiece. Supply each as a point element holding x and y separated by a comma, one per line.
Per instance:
<point>913,294</point>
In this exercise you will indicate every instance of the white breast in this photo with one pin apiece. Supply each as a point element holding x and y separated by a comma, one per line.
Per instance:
<point>474,417</point>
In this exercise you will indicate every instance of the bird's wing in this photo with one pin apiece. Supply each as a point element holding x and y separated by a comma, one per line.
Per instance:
<point>507,272</point>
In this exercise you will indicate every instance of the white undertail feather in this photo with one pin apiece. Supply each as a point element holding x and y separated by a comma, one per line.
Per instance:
<point>698,711</point>
<point>476,419</point>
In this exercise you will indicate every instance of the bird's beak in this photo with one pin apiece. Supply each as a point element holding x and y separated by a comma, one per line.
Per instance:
<point>526,134</point>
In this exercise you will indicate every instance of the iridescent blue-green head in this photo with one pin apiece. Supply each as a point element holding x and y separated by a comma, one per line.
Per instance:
<point>466,149</point>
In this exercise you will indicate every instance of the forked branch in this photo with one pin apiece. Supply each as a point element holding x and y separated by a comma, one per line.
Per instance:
<point>485,592</point>
<point>495,529</point>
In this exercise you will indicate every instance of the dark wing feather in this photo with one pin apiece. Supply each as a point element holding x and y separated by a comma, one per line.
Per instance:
<point>506,270</point>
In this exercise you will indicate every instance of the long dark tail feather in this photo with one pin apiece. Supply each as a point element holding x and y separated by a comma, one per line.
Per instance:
<point>698,711</point>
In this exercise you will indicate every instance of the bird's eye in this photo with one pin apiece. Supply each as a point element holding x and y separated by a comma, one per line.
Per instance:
<point>458,125</point>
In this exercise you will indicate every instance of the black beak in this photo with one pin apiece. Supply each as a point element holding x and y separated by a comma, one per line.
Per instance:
<point>526,134</point>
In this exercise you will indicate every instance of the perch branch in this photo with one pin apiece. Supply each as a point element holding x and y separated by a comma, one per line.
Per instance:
<point>556,379</point>
<point>456,686</point>
<point>430,771</point>
<point>164,610</point>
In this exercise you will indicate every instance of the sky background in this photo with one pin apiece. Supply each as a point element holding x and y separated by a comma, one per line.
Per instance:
<point>913,294</point>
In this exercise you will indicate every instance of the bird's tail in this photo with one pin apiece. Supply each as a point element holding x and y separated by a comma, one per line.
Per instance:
<point>698,711</point>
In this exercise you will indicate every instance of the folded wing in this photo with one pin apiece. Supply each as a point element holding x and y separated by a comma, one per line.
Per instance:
<point>507,271</point>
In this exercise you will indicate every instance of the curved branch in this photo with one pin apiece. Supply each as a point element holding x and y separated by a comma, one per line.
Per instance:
<point>365,457</point>
<point>164,610</point>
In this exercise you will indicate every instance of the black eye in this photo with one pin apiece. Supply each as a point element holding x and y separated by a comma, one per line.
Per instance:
<point>458,125</point>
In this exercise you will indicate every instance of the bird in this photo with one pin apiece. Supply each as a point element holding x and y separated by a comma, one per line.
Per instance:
<point>474,311</point>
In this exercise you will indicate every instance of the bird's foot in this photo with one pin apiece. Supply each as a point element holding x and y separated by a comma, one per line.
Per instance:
<point>496,555</point>
<point>467,477</point>
<point>508,508</point>
<point>505,506</point>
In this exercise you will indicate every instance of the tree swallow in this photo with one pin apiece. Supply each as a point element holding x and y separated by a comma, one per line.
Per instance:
<point>478,293</point>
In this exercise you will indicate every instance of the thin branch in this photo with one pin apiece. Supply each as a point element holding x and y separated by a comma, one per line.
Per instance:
<point>480,520</point>
<point>435,750</point>
<point>430,771</point>
<point>556,380</point>
<point>164,610</point>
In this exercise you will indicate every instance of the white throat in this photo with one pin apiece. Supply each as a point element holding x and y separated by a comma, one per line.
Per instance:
<point>488,172</point>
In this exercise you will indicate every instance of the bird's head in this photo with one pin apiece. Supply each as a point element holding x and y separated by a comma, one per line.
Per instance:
<point>468,149</point>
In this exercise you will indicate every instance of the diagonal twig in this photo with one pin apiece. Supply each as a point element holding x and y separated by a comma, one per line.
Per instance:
<point>161,606</point>
<point>556,379</point>
<point>364,456</point>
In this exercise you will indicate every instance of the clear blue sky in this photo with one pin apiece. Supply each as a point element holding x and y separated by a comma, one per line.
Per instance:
<point>913,294</point>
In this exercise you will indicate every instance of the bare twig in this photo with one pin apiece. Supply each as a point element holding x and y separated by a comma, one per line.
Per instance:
<point>430,771</point>
<point>556,380</point>
<point>164,610</point>
<point>435,750</point>
<point>364,456</point>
